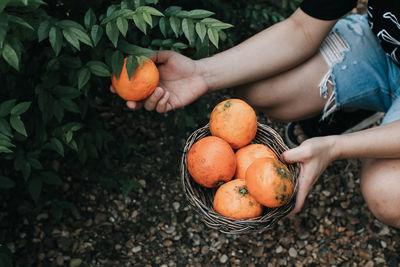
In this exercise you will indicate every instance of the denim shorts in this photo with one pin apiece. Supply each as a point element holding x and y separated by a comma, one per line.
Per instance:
<point>365,76</point>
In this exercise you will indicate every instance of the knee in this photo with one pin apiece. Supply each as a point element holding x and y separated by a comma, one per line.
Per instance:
<point>382,197</point>
<point>259,102</point>
<point>246,93</point>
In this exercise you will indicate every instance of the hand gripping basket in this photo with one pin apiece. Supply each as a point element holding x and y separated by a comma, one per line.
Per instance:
<point>201,198</point>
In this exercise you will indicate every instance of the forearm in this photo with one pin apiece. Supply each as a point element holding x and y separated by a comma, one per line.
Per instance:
<point>276,49</point>
<point>377,142</point>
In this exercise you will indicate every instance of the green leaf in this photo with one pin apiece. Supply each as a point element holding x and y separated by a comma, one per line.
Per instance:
<point>18,125</point>
<point>117,62</point>
<point>182,14</point>
<point>140,60</point>
<point>6,143</point>
<point>68,136</point>
<point>4,149</point>
<point>71,38</point>
<point>21,108</point>
<point>201,30</point>
<point>96,33</point>
<point>19,21</point>
<point>167,43</point>
<point>150,10</point>
<point>43,30</point>
<point>6,182</point>
<point>211,22</point>
<point>10,56</point>
<point>199,14</point>
<point>65,92</point>
<point>3,4</point>
<point>122,24</point>
<point>98,68</point>
<point>147,18</point>
<point>70,105</point>
<point>175,25</point>
<point>131,66</point>
<point>112,32</point>
<point>125,13</point>
<point>213,36</point>
<point>55,39</point>
<point>179,45</point>
<point>172,10</point>
<point>222,36</point>
<point>6,106</point>
<point>73,145</point>
<point>135,50</point>
<point>90,18</point>
<point>111,9</point>
<point>139,22</point>
<point>82,36</point>
<point>66,24</point>
<point>5,128</point>
<point>35,163</point>
<point>58,110</point>
<point>26,170</point>
<point>35,187</point>
<point>188,29</point>
<point>83,77</point>
<point>57,146</point>
<point>51,178</point>
<point>163,26</point>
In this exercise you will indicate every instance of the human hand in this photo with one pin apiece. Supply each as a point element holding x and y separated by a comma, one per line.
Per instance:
<point>181,83</point>
<point>313,156</point>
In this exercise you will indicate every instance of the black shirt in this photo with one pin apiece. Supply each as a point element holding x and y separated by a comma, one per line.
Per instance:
<point>383,15</point>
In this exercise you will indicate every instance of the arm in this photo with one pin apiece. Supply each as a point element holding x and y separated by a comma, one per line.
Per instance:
<point>315,154</point>
<point>377,142</point>
<point>276,49</point>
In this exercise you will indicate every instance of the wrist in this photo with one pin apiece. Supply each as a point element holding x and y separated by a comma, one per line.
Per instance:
<point>203,69</point>
<point>334,147</point>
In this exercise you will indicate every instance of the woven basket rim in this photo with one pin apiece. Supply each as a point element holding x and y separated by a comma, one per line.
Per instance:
<point>200,198</point>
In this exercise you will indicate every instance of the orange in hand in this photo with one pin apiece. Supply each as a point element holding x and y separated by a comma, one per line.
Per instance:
<point>270,182</point>
<point>232,200</point>
<point>248,154</point>
<point>234,121</point>
<point>142,83</point>
<point>211,161</point>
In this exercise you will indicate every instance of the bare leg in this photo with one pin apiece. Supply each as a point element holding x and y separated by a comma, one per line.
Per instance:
<point>292,95</point>
<point>380,186</point>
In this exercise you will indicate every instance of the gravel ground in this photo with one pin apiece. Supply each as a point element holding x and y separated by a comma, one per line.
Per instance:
<point>154,226</point>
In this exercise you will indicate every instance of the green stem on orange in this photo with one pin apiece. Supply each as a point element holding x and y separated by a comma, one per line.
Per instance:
<point>244,191</point>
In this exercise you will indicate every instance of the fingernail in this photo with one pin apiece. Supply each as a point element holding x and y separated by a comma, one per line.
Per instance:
<point>131,105</point>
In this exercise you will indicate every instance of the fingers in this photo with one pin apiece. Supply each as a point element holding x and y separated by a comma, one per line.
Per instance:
<point>158,101</point>
<point>133,105</point>
<point>112,89</point>
<point>292,155</point>
<point>162,104</point>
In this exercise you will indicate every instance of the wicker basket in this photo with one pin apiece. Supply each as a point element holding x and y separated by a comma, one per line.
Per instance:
<point>201,198</point>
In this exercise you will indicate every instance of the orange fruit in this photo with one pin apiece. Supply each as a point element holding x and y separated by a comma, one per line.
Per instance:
<point>234,121</point>
<point>211,161</point>
<point>233,200</point>
<point>270,182</point>
<point>248,154</point>
<point>142,83</point>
